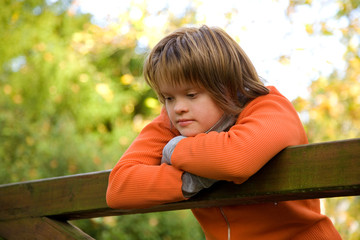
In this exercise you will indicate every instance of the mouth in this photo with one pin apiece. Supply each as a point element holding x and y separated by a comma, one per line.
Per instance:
<point>184,122</point>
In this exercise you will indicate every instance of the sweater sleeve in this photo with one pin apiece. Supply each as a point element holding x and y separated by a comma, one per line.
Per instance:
<point>138,180</point>
<point>267,125</point>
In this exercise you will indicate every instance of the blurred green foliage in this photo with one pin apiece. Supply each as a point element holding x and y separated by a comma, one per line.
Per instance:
<point>69,92</point>
<point>152,226</point>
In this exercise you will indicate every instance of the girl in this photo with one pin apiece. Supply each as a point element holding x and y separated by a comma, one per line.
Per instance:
<point>219,123</point>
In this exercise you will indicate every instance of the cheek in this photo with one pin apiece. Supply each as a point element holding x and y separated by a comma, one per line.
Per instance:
<point>215,111</point>
<point>210,115</point>
<point>170,113</point>
<point>215,117</point>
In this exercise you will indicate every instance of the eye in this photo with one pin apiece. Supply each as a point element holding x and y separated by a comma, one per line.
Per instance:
<point>168,98</point>
<point>191,95</point>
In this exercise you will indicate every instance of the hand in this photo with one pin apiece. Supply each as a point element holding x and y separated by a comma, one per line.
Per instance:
<point>192,184</point>
<point>169,149</point>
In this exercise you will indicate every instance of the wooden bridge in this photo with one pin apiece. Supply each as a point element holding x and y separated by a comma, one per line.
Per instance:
<point>41,209</point>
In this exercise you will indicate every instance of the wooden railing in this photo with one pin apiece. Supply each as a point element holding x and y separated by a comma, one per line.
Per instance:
<point>43,207</point>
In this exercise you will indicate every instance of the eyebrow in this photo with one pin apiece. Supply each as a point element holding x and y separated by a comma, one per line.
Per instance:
<point>183,90</point>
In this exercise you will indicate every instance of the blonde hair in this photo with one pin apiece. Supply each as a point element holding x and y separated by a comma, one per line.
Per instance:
<point>205,57</point>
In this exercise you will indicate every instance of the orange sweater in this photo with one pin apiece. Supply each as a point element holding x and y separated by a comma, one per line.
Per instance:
<point>267,125</point>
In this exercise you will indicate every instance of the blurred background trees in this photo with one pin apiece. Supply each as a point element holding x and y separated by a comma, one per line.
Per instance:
<point>333,108</point>
<point>72,98</point>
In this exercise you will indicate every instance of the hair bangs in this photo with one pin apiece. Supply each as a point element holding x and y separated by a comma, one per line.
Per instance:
<point>175,66</point>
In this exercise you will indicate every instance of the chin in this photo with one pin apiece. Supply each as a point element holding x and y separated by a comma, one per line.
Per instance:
<point>189,134</point>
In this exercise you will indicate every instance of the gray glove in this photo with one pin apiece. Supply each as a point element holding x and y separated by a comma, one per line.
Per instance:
<point>169,149</point>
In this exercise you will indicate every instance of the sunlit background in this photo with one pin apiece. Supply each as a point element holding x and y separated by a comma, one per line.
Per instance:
<point>277,38</point>
<point>72,95</point>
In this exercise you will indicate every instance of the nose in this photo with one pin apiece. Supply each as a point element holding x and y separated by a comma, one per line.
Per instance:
<point>180,107</point>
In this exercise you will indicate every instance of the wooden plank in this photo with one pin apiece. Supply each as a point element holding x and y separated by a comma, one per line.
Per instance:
<point>44,228</point>
<point>44,197</point>
<point>307,171</point>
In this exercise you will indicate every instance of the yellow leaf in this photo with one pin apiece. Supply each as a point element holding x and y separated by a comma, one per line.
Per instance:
<point>104,90</point>
<point>127,79</point>
<point>7,89</point>
<point>309,28</point>
<point>151,102</point>
<point>285,60</point>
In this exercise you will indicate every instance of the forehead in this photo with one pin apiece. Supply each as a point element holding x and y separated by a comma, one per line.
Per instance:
<point>168,88</point>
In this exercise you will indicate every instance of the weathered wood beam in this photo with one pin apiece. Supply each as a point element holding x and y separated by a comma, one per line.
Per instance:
<point>52,196</point>
<point>44,228</point>
<point>307,171</point>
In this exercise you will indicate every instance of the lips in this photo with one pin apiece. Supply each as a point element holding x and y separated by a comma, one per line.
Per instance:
<point>184,122</point>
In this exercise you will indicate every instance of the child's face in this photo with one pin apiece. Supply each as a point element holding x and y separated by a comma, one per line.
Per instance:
<point>191,109</point>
